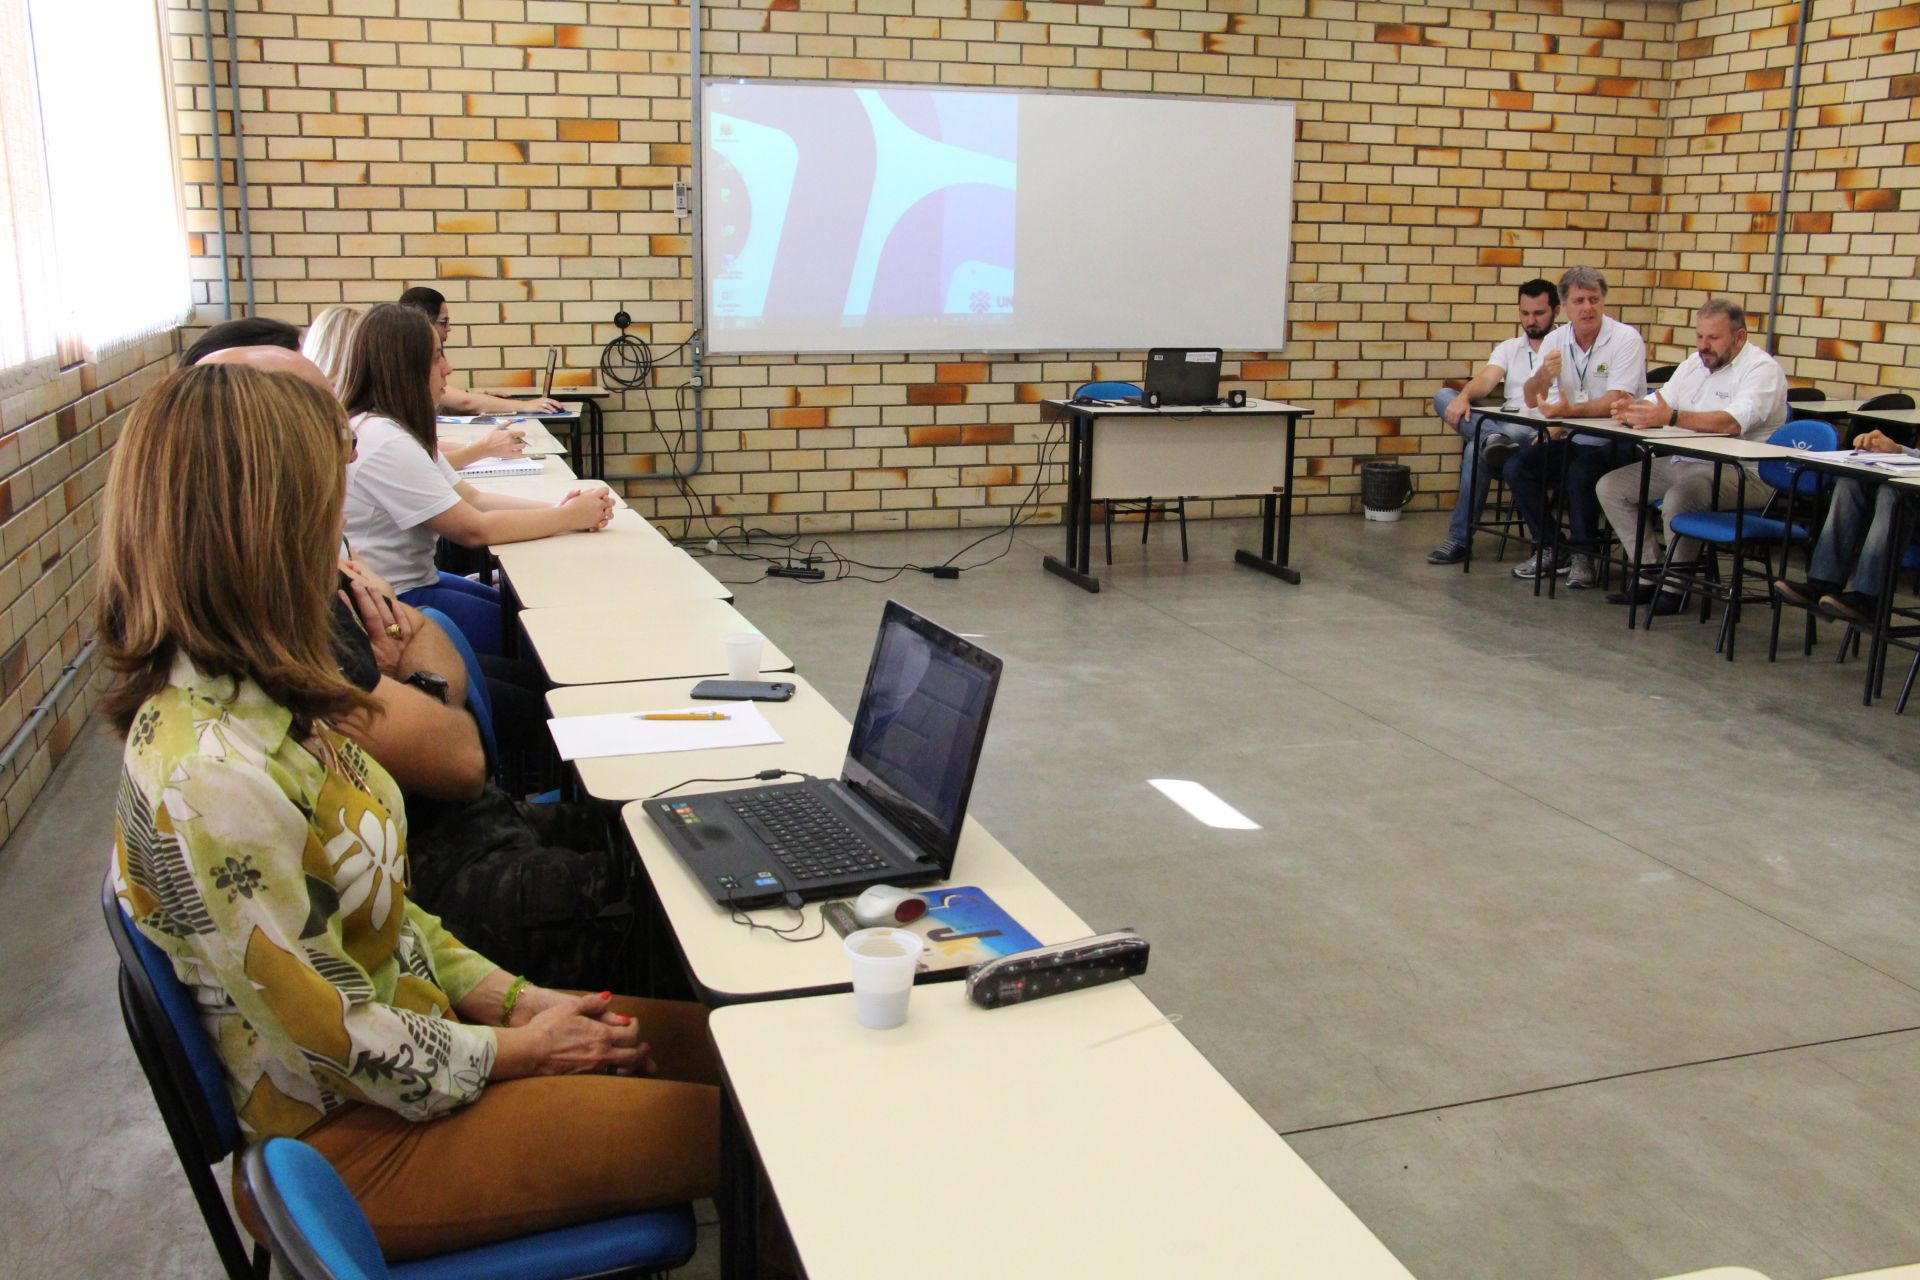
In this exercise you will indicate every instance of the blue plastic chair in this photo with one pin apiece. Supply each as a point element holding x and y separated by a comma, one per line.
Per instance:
<point>318,1232</point>
<point>1750,534</point>
<point>1145,506</point>
<point>186,1077</point>
<point>479,704</point>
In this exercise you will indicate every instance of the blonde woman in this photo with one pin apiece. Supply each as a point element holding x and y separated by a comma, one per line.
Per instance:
<point>266,854</point>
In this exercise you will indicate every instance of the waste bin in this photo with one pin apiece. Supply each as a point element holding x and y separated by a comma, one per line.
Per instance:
<point>1385,488</point>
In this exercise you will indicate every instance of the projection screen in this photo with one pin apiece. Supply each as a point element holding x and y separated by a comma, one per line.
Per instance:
<point>842,217</point>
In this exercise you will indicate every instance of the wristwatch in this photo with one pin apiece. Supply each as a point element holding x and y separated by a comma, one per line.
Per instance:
<point>429,683</point>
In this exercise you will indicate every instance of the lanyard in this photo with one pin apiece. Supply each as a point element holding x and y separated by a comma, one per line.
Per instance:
<point>1580,370</point>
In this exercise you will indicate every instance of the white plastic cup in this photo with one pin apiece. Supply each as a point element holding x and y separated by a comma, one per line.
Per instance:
<point>884,961</point>
<point>743,655</point>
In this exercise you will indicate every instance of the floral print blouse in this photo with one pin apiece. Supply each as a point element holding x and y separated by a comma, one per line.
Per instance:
<point>277,882</point>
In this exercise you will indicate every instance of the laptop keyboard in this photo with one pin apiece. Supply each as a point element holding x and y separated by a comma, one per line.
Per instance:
<point>807,837</point>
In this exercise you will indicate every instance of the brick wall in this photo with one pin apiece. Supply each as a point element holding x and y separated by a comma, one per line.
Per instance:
<point>1848,295</point>
<point>54,441</point>
<point>522,153</point>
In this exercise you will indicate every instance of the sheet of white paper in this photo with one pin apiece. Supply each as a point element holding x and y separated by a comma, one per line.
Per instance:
<point>589,737</point>
<point>1890,461</point>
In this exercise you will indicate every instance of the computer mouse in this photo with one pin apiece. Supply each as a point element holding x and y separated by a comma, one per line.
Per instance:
<point>884,904</point>
<point>1083,399</point>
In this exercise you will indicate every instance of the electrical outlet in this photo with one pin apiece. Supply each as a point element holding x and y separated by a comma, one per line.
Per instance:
<point>682,195</point>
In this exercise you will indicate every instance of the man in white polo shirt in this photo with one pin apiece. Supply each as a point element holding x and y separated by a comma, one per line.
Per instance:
<point>1510,365</point>
<point>1587,366</point>
<point>1727,387</point>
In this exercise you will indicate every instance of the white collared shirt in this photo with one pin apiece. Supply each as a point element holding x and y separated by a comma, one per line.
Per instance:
<point>1517,356</point>
<point>1751,386</point>
<point>1617,361</point>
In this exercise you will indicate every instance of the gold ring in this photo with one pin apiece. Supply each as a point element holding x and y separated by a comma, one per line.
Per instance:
<point>393,629</point>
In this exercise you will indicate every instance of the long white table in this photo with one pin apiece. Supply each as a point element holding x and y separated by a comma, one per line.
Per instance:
<point>639,640</point>
<point>628,561</point>
<point>1075,1138</point>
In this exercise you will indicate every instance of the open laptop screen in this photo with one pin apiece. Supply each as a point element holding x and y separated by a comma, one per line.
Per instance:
<point>922,719</point>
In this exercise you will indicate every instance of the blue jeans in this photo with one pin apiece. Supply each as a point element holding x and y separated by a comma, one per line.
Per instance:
<point>1468,506</point>
<point>1528,472</point>
<point>473,606</point>
<point>1849,536</point>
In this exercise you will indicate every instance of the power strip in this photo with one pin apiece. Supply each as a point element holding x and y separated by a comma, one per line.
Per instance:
<point>801,572</point>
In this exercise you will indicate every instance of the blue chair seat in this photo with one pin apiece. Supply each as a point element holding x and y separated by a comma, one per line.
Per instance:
<point>663,1239</point>
<point>318,1232</point>
<point>1719,527</point>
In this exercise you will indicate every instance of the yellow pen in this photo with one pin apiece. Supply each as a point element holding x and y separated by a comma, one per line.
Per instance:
<point>684,715</point>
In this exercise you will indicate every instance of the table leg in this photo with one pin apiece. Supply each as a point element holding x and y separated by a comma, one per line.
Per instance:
<point>1883,615</point>
<point>1276,526</point>
<point>1739,561</point>
<point>1078,516</point>
<point>1639,539</point>
<point>596,443</point>
<point>739,1197</point>
<point>1473,484</point>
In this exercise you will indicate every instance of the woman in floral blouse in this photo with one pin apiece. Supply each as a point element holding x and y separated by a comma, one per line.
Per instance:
<point>267,855</point>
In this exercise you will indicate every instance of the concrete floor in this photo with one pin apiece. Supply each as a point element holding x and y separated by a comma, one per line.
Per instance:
<point>1561,951</point>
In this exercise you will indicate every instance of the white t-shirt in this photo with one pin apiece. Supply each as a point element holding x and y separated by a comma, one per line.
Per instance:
<point>1617,361</point>
<point>1517,356</point>
<point>393,488</point>
<point>1751,386</point>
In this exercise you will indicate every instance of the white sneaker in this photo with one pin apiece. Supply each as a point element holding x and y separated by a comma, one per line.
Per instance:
<point>1534,565</point>
<point>1583,573</point>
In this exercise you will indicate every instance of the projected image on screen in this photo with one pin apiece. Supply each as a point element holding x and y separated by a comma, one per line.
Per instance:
<point>889,204</point>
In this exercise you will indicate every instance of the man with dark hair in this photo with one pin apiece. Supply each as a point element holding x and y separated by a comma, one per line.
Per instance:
<point>432,304</point>
<point>1510,365</point>
<point>247,331</point>
<point>1587,366</point>
<point>1727,387</point>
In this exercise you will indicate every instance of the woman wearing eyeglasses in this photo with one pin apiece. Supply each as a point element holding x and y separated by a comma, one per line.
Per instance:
<point>432,304</point>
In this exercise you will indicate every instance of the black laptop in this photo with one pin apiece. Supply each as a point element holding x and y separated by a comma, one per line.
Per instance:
<point>1183,375</point>
<point>894,814</point>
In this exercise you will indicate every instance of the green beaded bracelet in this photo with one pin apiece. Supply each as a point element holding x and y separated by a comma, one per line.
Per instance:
<point>512,998</point>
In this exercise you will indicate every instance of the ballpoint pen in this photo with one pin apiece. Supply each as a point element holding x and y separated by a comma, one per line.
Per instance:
<point>683,715</point>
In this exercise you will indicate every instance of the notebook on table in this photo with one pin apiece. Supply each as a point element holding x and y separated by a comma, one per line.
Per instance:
<point>893,816</point>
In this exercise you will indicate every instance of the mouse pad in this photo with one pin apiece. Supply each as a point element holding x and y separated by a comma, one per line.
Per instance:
<point>963,927</point>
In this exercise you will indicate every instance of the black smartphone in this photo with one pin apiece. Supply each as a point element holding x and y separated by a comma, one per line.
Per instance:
<point>744,690</point>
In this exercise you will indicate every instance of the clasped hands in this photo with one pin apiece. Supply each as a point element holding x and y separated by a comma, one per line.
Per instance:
<point>581,1034</point>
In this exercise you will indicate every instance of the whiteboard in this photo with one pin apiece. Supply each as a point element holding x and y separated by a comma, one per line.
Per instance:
<point>843,217</point>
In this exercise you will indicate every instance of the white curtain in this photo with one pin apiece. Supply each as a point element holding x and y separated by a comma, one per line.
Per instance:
<point>99,212</point>
<point>27,296</point>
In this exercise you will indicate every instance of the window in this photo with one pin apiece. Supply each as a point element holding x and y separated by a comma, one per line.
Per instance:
<point>97,251</point>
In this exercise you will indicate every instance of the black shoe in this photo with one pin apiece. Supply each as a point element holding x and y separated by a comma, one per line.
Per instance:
<point>1856,607</point>
<point>1669,603</point>
<point>1447,553</point>
<point>1804,594</point>
<point>1642,594</point>
<point>1496,452</point>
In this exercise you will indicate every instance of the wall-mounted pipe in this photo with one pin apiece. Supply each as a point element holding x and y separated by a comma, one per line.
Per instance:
<point>696,341</point>
<point>245,207</point>
<point>46,704</point>
<point>219,179</point>
<point>1786,181</point>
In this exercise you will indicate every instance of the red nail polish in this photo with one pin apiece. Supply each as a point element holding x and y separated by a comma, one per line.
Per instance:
<point>606,995</point>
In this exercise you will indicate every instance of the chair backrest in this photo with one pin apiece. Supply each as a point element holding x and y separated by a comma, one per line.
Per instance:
<point>172,1020</point>
<point>1890,400</point>
<point>1810,435</point>
<point>1106,390</point>
<point>314,1226</point>
<point>1805,395</point>
<point>1661,374</point>
<point>189,1085</point>
<point>479,705</point>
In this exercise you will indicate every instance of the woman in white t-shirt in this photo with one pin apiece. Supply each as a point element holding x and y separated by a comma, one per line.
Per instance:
<point>402,496</point>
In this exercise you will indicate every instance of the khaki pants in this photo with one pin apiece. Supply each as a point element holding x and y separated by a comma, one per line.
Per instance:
<point>1683,485</point>
<point>530,1155</point>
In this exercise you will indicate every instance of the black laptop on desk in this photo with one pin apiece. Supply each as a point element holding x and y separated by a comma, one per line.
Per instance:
<point>1183,375</point>
<point>894,814</point>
